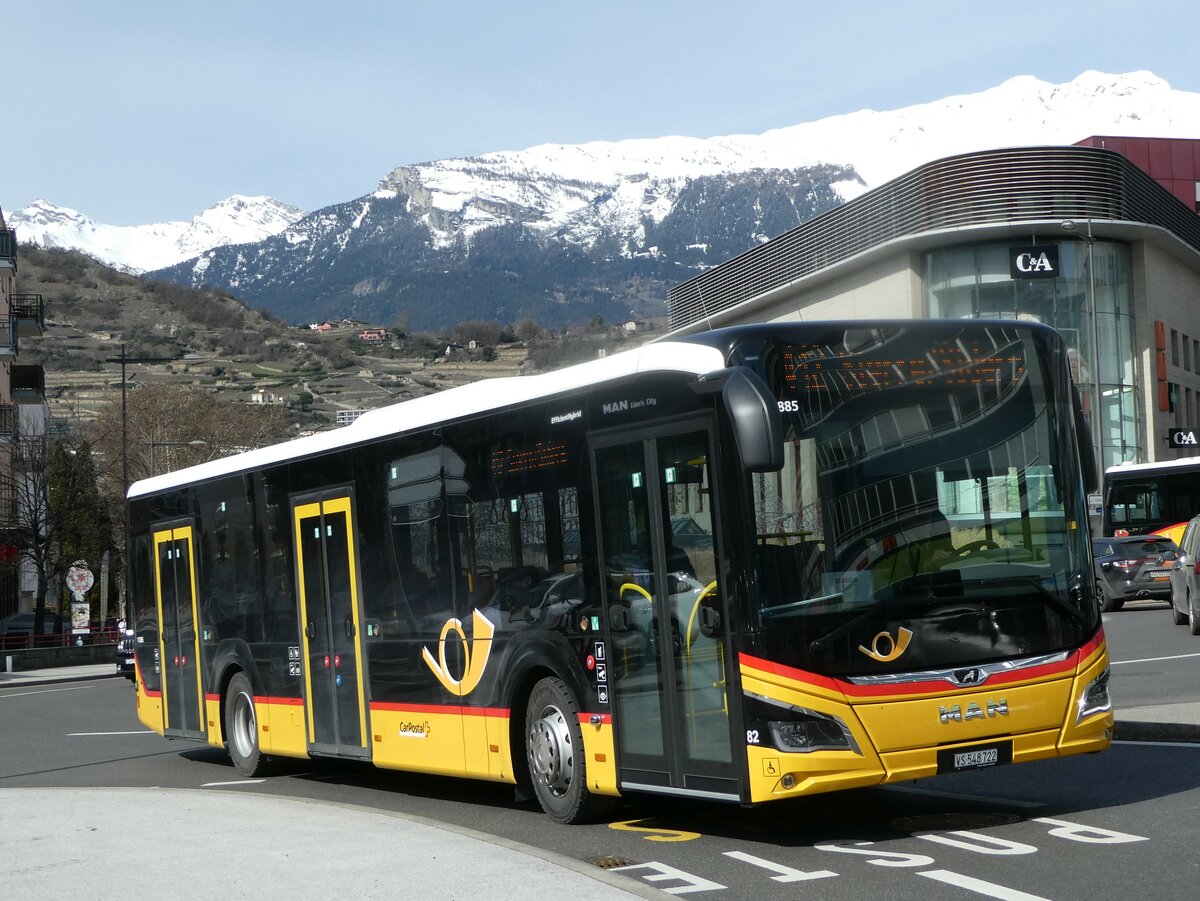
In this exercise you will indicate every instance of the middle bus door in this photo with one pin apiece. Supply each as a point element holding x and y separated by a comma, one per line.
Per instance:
<point>330,621</point>
<point>669,665</point>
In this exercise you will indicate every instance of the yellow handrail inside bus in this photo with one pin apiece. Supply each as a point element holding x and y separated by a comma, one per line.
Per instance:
<point>638,588</point>
<point>708,589</point>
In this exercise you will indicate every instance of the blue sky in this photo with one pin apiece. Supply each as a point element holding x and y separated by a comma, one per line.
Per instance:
<point>139,111</point>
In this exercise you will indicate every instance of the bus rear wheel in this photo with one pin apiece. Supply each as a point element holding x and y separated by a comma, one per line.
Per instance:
<point>554,750</point>
<point>241,728</point>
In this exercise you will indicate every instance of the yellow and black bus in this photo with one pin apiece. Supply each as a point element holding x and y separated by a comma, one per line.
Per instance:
<point>741,565</point>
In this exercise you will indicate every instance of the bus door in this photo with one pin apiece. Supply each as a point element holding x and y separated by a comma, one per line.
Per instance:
<point>669,665</point>
<point>330,618</point>
<point>178,635</point>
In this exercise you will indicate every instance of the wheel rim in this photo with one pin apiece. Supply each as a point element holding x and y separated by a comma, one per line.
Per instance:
<point>551,757</point>
<point>243,726</point>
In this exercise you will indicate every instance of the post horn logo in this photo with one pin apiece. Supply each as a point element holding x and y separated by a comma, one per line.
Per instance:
<point>884,648</point>
<point>473,663</point>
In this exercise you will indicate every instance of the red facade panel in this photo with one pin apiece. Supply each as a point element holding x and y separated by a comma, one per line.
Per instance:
<point>1139,154</point>
<point>1182,165</point>
<point>1173,162</point>
<point>1160,160</point>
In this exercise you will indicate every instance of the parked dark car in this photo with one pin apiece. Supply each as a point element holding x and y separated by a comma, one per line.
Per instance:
<point>1131,568</point>
<point>125,645</point>
<point>1185,579</point>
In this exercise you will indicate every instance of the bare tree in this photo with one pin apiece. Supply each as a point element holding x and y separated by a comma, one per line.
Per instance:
<point>170,427</point>
<point>50,499</point>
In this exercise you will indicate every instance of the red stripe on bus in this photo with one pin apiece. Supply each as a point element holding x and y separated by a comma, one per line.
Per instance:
<point>929,686</point>
<point>266,699</point>
<point>461,709</point>
<point>415,708</point>
<point>585,719</point>
<point>211,697</point>
<point>790,672</point>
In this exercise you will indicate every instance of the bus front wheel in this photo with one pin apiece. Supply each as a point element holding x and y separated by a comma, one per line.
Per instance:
<point>241,728</point>
<point>554,750</point>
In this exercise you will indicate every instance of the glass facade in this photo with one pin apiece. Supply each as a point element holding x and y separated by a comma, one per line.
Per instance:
<point>975,282</point>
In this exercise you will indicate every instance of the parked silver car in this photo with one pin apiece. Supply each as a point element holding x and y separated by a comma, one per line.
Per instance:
<point>1185,580</point>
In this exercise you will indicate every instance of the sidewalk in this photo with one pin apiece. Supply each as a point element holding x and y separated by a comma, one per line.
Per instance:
<point>59,674</point>
<point>287,847</point>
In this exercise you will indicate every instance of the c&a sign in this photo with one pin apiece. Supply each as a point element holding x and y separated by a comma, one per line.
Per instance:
<point>1033,261</point>
<point>1183,438</point>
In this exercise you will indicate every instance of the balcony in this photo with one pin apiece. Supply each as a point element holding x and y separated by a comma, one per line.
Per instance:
<point>8,249</point>
<point>9,421</point>
<point>10,509</point>
<point>29,383</point>
<point>29,313</point>
<point>8,337</point>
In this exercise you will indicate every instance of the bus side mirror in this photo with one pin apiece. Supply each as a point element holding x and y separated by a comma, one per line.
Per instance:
<point>753,416</point>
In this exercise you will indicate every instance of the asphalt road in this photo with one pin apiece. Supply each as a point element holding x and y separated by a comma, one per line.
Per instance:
<point>1153,660</point>
<point>1114,825</point>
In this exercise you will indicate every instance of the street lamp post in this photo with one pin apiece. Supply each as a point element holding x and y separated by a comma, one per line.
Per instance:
<point>124,359</point>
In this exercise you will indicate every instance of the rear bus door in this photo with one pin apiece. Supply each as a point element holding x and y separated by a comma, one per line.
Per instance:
<point>178,634</point>
<point>330,618</point>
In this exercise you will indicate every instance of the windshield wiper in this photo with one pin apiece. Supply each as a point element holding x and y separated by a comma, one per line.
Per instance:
<point>1035,582</point>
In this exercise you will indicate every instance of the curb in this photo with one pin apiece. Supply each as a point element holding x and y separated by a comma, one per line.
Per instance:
<point>1188,733</point>
<point>18,680</point>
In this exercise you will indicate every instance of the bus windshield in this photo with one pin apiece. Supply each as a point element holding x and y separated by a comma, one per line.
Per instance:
<point>930,488</point>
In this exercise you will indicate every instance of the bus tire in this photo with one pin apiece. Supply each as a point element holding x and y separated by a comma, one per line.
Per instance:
<point>554,752</point>
<point>241,728</point>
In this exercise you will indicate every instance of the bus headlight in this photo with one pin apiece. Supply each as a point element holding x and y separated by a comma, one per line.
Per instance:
<point>1095,698</point>
<point>806,730</point>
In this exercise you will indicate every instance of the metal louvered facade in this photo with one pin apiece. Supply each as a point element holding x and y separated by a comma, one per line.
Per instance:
<point>996,187</point>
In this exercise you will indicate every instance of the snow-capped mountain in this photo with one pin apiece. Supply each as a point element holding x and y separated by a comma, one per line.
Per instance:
<point>563,233</point>
<point>583,192</point>
<point>139,248</point>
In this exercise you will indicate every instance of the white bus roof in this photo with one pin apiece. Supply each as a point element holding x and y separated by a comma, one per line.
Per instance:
<point>478,397</point>
<point>1135,469</point>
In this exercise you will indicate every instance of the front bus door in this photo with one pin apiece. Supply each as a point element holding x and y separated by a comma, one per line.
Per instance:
<point>178,636</point>
<point>327,579</point>
<point>668,667</point>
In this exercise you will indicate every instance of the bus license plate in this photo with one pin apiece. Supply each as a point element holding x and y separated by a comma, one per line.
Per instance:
<point>954,760</point>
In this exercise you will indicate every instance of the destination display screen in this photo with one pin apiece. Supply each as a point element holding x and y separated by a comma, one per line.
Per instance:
<point>814,368</point>
<point>540,455</point>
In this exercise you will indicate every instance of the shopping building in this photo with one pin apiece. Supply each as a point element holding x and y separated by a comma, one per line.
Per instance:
<point>23,424</point>
<point>1100,240</point>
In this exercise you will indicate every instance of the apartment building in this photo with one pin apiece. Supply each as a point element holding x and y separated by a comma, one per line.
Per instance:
<point>23,425</point>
